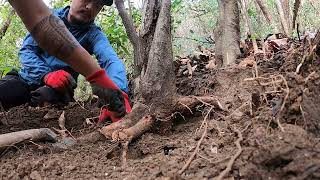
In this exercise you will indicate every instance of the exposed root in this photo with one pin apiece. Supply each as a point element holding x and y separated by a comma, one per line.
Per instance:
<point>192,101</point>
<point>233,158</point>
<point>127,135</point>
<point>138,112</point>
<point>272,81</point>
<point>287,91</point>
<point>198,144</point>
<point>186,107</point>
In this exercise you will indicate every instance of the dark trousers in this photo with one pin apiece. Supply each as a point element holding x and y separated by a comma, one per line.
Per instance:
<point>14,92</point>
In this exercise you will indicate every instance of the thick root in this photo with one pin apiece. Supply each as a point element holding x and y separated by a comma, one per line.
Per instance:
<point>127,135</point>
<point>138,111</point>
<point>13,138</point>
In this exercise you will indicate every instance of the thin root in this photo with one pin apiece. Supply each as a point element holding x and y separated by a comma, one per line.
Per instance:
<point>198,144</point>
<point>233,158</point>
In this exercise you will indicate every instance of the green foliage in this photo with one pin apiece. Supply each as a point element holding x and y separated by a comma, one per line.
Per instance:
<point>60,3</point>
<point>5,70</point>
<point>112,26</point>
<point>12,40</point>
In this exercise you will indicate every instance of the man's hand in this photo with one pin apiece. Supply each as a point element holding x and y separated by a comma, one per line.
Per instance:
<point>116,102</point>
<point>60,80</point>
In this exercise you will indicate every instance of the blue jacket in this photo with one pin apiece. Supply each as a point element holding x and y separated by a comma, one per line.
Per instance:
<point>36,63</point>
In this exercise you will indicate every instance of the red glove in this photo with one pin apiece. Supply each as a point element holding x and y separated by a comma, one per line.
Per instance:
<point>116,101</point>
<point>60,80</point>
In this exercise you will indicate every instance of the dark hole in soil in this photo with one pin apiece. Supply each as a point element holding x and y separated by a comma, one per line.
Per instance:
<point>277,162</point>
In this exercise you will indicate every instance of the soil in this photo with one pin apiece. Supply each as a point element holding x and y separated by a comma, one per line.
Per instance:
<point>267,151</point>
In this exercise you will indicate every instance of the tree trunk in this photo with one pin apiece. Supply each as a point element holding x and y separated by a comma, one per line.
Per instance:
<point>296,8</point>
<point>283,20</point>
<point>286,11</point>
<point>227,33</point>
<point>264,10</point>
<point>7,23</point>
<point>155,94</point>
<point>248,22</point>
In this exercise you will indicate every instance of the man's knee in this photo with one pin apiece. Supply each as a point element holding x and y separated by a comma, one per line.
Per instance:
<point>13,90</point>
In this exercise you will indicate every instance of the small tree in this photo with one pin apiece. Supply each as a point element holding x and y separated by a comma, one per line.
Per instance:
<point>227,32</point>
<point>155,90</point>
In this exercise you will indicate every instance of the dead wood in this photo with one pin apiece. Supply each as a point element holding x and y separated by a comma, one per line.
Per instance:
<point>9,139</point>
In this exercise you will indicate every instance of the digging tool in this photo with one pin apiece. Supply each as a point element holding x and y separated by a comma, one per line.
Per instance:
<point>13,138</point>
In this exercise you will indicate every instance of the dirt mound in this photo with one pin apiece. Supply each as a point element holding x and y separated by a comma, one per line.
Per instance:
<point>272,113</point>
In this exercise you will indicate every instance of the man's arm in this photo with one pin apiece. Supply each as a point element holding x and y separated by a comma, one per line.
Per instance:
<point>52,35</point>
<point>34,69</point>
<point>108,59</point>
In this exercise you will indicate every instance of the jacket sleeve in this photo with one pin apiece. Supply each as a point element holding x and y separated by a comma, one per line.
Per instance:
<point>34,67</point>
<point>108,59</point>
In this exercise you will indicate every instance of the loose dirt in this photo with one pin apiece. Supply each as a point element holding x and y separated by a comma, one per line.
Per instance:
<point>267,151</point>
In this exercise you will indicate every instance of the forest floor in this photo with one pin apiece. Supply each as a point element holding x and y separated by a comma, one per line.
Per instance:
<point>272,111</point>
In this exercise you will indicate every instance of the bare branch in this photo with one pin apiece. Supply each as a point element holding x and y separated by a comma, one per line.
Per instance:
<point>7,23</point>
<point>264,10</point>
<point>128,23</point>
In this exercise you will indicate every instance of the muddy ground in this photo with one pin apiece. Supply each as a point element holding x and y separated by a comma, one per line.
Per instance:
<point>288,149</point>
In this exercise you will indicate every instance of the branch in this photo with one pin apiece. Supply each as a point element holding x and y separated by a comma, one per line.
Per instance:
<point>264,10</point>
<point>7,23</point>
<point>295,12</point>
<point>128,23</point>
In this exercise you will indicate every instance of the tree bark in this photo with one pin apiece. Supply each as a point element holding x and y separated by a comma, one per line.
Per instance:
<point>7,140</point>
<point>158,82</point>
<point>248,22</point>
<point>297,4</point>
<point>227,33</point>
<point>286,11</point>
<point>7,23</point>
<point>156,92</point>
<point>283,20</point>
<point>264,10</point>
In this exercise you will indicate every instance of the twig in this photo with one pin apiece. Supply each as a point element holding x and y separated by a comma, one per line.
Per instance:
<point>198,145</point>
<point>233,158</point>
<point>217,101</point>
